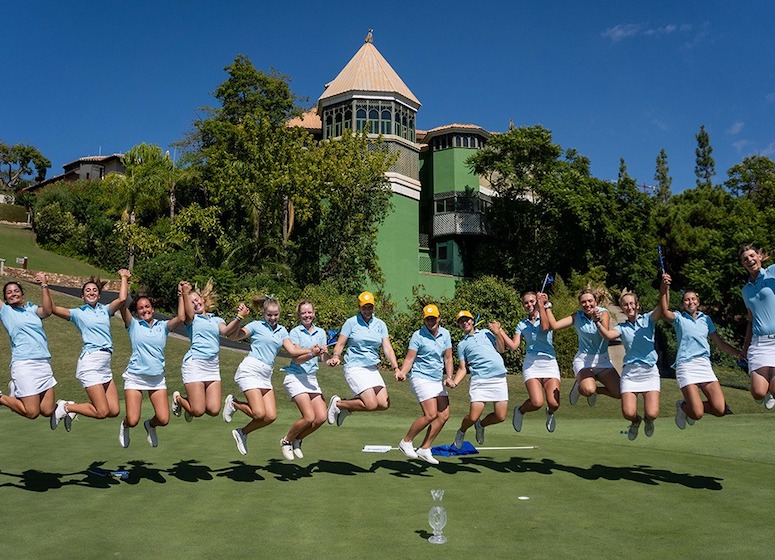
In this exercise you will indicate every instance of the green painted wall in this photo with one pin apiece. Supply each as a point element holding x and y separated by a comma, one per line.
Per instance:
<point>450,171</point>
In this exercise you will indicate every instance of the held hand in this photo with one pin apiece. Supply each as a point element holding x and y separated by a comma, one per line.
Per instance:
<point>184,287</point>
<point>666,280</point>
<point>124,273</point>
<point>243,310</point>
<point>449,383</point>
<point>41,278</point>
<point>333,362</point>
<point>542,297</point>
<point>494,326</point>
<point>399,375</point>
<point>597,316</point>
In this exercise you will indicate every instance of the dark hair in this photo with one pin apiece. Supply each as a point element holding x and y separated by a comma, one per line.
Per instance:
<point>528,294</point>
<point>751,247</point>
<point>8,284</point>
<point>136,299</point>
<point>96,281</point>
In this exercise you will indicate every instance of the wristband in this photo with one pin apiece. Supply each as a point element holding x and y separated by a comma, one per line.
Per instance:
<point>43,286</point>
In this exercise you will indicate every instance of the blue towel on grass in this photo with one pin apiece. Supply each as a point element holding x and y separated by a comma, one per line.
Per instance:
<point>449,450</point>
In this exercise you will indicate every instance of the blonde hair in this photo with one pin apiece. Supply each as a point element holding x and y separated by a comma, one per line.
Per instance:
<point>208,294</point>
<point>264,302</point>
<point>601,295</point>
<point>625,293</point>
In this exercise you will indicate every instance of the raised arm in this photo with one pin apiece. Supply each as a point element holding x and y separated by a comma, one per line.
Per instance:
<point>548,322</point>
<point>664,298</point>
<point>511,343</point>
<point>231,328</point>
<point>123,291</point>
<point>176,321</point>
<point>126,316</point>
<point>48,304</point>
<point>188,306</point>
<point>604,331</point>
<point>495,328</point>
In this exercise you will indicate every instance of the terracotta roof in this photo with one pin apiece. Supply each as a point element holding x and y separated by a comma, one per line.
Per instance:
<point>456,125</point>
<point>368,71</point>
<point>309,120</point>
<point>94,159</point>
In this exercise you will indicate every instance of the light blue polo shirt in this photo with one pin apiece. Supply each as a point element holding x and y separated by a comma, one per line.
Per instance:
<point>692,335</point>
<point>94,324</point>
<point>759,298</point>
<point>204,332</point>
<point>25,329</point>
<point>537,341</point>
<point>148,344</point>
<point>265,341</point>
<point>638,340</point>
<point>306,339</point>
<point>429,362</point>
<point>482,358</point>
<point>590,339</point>
<point>363,340</point>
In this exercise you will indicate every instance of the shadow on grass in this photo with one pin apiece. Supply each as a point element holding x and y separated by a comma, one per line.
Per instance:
<point>642,474</point>
<point>191,471</point>
<point>423,534</point>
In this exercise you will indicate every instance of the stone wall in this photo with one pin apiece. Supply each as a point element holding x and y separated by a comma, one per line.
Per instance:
<point>57,279</point>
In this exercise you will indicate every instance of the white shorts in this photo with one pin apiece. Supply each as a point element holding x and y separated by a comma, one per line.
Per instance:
<point>639,378</point>
<point>426,389</point>
<point>538,366</point>
<point>298,384</point>
<point>144,382</point>
<point>252,373</point>
<point>693,372</point>
<point>31,377</point>
<point>594,361</point>
<point>761,352</point>
<point>492,389</point>
<point>193,371</point>
<point>94,368</point>
<point>361,378</point>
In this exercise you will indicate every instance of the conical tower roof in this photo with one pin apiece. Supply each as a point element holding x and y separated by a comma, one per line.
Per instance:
<point>368,71</point>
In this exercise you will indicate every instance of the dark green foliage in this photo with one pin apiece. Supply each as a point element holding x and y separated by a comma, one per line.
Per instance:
<point>13,213</point>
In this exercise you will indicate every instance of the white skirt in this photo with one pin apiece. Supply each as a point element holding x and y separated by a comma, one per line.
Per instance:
<point>761,352</point>
<point>693,372</point>
<point>426,389</point>
<point>491,389</point>
<point>31,377</point>
<point>200,371</point>
<point>361,378</point>
<point>94,368</point>
<point>144,382</point>
<point>298,384</point>
<point>538,366</point>
<point>639,378</point>
<point>594,361</point>
<point>252,373</point>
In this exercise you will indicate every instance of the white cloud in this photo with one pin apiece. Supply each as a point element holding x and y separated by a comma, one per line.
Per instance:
<point>627,30</point>
<point>769,150</point>
<point>740,145</point>
<point>660,124</point>
<point>736,128</point>
<point>621,31</point>
<point>699,37</point>
<point>770,97</point>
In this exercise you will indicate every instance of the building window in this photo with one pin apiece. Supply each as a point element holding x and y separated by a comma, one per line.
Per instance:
<point>442,252</point>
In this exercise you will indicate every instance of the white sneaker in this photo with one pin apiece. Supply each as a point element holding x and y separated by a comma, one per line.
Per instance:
<point>242,441</point>
<point>333,410</point>
<point>341,416</point>
<point>680,415</point>
<point>648,428</point>
<point>551,423</point>
<point>458,443</point>
<point>573,398</point>
<point>150,431</point>
<point>592,399</point>
<point>517,419</point>
<point>123,435</point>
<point>632,431</point>
<point>769,401</point>
<point>69,417</point>
<point>426,455</point>
<point>287,449</point>
<point>176,408</point>
<point>59,413</point>
<point>297,448</point>
<point>479,432</point>
<point>228,408</point>
<point>407,449</point>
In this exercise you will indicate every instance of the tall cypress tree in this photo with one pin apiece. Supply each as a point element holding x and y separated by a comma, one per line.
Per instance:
<point>663,178</point>
<point>705,166</point>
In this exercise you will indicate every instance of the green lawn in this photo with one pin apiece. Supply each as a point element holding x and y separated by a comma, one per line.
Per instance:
<point>705,492</point>
<point>16,242</point>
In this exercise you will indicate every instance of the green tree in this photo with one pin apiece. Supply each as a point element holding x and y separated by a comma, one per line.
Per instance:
<point>20,163</point>
<point>663,178</point>
<point>705,166</point>
<point>754,178</point>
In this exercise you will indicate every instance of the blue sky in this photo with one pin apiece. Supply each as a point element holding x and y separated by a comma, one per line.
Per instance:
<point>611,79</point>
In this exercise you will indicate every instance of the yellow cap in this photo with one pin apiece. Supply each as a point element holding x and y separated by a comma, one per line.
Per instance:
<point>463,313</point>
<point>365,298</point>
<point>430,311</point>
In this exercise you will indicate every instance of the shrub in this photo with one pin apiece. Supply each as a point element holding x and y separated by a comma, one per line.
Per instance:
<point>13,213</point>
